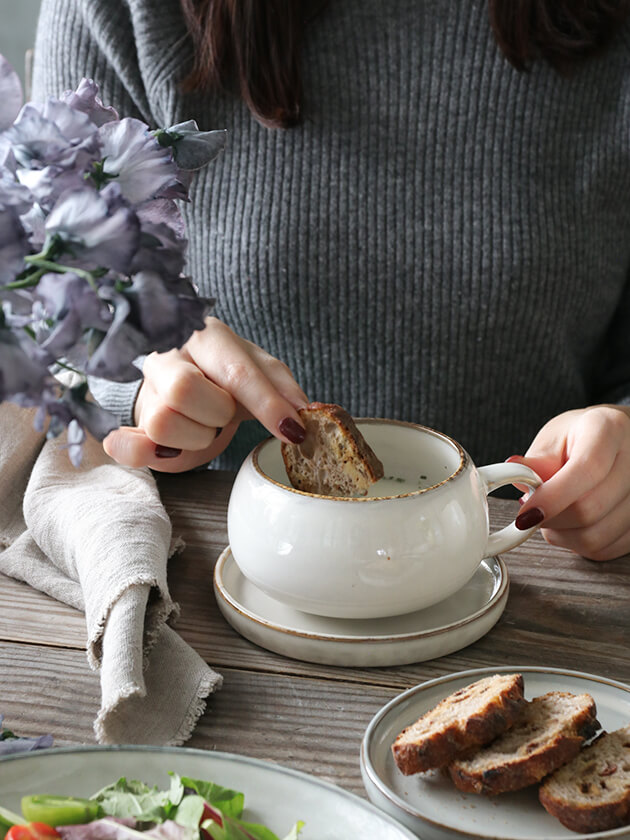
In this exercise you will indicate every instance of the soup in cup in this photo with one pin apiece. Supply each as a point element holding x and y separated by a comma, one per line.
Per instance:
<point>417,538</point>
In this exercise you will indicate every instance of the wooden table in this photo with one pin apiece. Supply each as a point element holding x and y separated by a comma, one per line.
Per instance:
<point>563,611</point>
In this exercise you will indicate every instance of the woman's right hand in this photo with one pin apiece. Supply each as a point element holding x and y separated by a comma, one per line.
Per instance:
<point>192,400</point>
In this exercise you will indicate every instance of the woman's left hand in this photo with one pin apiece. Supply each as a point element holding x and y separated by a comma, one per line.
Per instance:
<point>583,458</point>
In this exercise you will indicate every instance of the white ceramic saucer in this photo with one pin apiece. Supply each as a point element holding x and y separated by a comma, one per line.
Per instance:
<point>427,634</point>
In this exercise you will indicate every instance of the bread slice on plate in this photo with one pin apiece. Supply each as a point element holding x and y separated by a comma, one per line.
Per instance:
<point>470,717</point>
<point>592,792</point>
<point>334,458</point>
<point>550,731</point>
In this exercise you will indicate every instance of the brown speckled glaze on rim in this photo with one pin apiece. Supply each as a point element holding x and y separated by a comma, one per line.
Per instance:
<point>464,462</point>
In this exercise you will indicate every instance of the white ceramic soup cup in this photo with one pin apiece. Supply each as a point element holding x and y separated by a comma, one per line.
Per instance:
<point>417,539</point>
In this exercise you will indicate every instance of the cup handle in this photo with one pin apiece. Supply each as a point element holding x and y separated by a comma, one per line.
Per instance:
<point>498,475</point>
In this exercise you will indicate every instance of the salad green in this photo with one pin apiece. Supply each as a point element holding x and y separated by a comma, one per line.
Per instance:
<point>190,809</point>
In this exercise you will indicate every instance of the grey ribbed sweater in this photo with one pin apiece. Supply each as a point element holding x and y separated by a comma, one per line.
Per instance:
<point>444,240</point>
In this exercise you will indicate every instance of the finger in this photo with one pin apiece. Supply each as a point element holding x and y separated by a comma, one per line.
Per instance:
<point>129,446</point>
<point>133,448</point>
<point>225,360</point>
<point>604,540</point>
<point>182,387</point>
<point>576,477</point>
<point>165,427</point>
<point>279,374</point>
<point>597,503</point>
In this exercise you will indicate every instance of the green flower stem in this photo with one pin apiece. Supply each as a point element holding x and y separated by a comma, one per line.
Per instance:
<point>37,261</point>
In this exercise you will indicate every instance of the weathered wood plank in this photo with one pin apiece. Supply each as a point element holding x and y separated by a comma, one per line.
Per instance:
<point>311,725</point>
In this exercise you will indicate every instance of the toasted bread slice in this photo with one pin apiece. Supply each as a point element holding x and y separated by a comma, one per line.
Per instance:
<point>468,718</point>
<point>550,731</point>
<point>334,458</point>
<point>592,792</point>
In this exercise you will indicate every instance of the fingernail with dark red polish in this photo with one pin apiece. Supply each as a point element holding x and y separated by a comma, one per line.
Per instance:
<point>529,518</point>
<point>291,429</point>
<point>166,451</point>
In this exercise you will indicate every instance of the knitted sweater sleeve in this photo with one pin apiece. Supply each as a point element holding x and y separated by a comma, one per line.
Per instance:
<point>93,39</point>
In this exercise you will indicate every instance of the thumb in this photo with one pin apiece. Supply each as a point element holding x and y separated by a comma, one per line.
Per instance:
<point>129,446</point>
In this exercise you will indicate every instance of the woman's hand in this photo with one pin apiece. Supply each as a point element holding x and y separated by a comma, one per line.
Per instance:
<point>583,458</point>
<point>192,400</point>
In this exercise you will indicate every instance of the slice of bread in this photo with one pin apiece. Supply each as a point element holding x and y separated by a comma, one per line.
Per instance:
<point>334,458</point>
<point>549,732</point>
<point>592,792</point>
<point>468,718</point>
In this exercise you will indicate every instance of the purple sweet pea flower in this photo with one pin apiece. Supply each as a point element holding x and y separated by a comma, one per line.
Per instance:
<point>10,94</point>
<point>70,306</point>
<point>192,149</point>
<point>90,230</point>
<point>47,185</point>
<point>74,411</point>
<point>167,311</point>
<point>7,158</point>
<point>34,223</point>
<point>14,245</point>
<point>11,744</point>
<point>23,369</point>
<point>143,169</point>
<point>162,248</point>
<point>85,98</point>
<point>98,228</point>
<point>123,342</point>
<point>14,194</point>
<point>53,134</point>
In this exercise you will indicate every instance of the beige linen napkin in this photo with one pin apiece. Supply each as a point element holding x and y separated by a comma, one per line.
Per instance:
<point>98,538</point>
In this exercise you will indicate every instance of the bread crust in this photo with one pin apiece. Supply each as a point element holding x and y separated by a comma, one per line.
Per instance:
<point>550,731</point>
<point>334,459</point>
<point>488,708</point>
<point>592,792</point>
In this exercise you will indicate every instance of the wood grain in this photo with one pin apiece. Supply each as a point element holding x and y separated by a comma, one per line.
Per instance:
<point>308,724</point>
<point>563,611</point>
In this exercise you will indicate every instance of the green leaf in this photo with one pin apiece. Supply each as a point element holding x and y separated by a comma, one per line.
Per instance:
<point>134,799</point>
<point>230,802</point>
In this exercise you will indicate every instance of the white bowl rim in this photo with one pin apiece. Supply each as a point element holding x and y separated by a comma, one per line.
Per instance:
<point>212,755</point>
<point>464,462</point>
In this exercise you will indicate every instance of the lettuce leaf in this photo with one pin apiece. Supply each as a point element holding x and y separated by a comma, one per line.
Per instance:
<point>134,799</point>
<point>217,811</point>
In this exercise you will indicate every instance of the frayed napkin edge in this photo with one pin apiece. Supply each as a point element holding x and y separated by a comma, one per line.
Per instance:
<point>209,684</point>
<point>157,614</point>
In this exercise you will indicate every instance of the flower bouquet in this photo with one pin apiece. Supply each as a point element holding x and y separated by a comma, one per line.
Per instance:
<point>92,250</point>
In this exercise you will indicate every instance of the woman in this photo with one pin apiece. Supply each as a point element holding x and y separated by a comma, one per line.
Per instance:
<point>422,210</point>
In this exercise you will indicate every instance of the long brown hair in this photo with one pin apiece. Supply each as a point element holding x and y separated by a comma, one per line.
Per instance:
<point>253,46</point>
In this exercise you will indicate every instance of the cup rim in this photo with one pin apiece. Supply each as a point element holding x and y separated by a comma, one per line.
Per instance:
<point>464,462</point>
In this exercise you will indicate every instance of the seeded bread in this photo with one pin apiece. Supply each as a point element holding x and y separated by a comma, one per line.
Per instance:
<point>334,458</point>
<point>468,718</point>
<point>549,732</point>
<point>592,792</point>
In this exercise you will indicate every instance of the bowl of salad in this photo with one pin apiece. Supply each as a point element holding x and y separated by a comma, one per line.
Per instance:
<point>161,793</point>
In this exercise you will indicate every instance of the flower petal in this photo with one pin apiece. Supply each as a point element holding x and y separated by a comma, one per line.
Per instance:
<point>143,169</point>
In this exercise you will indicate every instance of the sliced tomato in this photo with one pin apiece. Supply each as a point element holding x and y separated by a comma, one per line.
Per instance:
<point>7,819</point>
<point>60,810</point>
<point>32,831</point>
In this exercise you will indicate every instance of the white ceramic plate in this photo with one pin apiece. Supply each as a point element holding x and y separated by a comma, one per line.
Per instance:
<point>448,626</point>
<point>430,805</point>
<point>274,795</point>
